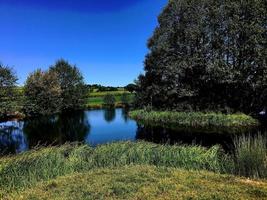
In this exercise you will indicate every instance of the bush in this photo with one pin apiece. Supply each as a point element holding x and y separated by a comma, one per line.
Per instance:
<point>109,100</point>
<point>125,99</point>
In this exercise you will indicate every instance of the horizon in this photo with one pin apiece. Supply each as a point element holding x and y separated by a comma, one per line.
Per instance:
<point>106,41</point>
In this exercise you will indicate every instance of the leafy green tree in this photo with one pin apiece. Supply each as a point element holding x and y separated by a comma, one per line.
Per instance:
<point>74,91</point>
<point>42,93</point>
<point>109,101</point>
<point>8,93</point>
<point>207,54</point>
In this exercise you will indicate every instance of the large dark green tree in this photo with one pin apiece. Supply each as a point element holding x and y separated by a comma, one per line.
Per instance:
<point>8,92</point>
<point>207,54</point>
<point>74,91</point>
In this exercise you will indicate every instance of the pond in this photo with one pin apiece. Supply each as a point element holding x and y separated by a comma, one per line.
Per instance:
<point>96,127</point>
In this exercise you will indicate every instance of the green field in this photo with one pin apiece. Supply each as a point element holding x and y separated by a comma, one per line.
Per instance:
<point>95,99</point>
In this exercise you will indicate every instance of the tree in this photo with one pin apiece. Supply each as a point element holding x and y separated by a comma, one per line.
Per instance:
<point>42,93</point>
<point>109,101</point>
<point>206,54</point>
<point>73,89</point>
<point>8,93</point>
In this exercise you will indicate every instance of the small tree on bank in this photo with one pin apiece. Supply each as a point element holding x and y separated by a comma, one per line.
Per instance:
<point>42,93</point>
<point>125,99</point>
<point>109,101</point>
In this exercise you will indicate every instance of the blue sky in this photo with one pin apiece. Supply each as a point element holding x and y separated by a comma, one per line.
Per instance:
<point>106,39</point>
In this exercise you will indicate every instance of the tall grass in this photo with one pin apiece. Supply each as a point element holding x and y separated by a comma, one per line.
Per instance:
<point>251,156</point>
<point>29,168</point>
<point>193,119</point>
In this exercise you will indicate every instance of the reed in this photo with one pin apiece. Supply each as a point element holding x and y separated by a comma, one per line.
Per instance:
<point>251,156</point>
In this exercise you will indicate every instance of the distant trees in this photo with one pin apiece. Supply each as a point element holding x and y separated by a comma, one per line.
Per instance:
<point>8,81</point>
<point>59,89</point>
<point>207,54</point>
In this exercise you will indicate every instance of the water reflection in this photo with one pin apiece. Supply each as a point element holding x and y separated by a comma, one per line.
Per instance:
<point>57,129</point>
<point>12,140</point>
<point>162,135</point>
<point>109,114</point>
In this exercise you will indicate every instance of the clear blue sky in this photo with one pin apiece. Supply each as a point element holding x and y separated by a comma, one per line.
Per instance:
<point>106,39</point>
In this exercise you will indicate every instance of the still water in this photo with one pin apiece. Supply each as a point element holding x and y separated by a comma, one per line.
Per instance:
<point>95,127</point>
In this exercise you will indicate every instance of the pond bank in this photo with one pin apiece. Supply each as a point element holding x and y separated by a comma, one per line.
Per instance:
<point>145,182</point>
<point>24,171</point>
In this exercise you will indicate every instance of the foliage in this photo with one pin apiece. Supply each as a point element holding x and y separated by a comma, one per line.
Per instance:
<point>73,89</point>
<point>207,54</point>
<point>193,119</point>
<point>42,93</point>
<point>109,100</point>
<point>8,91</point>
<point>29,168</point>
<point>251,156</point>
<point>146,182</point>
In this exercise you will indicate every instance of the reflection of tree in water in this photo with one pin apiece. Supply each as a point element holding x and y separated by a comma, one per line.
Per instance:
<point>74,125</point>
<point>109,114</point>
<point>58,129</point>
<point>12,139</point>
<point>162,135</point>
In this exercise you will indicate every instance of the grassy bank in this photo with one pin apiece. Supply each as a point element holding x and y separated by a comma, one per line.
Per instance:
<point>145,182</point>
<point>29,168</point>
<point>193,119</point>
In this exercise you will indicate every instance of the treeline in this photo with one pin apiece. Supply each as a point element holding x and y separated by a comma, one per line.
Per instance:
<point>61,88</point>
<point>207,55</point>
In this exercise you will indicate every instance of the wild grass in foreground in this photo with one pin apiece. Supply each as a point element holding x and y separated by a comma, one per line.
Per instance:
<point>146,183</point>
<point>27,169</point>
<point>193,119</point>
<point>251,156</point>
